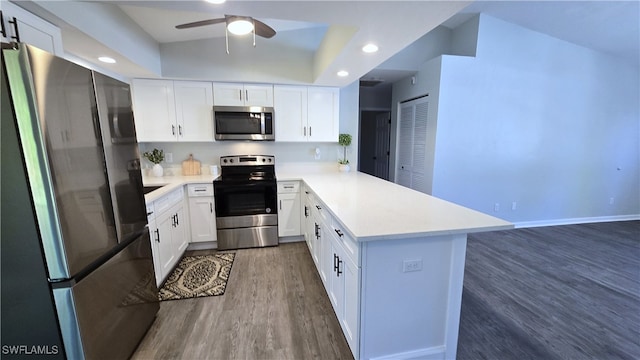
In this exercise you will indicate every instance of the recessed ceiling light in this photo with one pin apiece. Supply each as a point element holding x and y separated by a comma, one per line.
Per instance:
<point>240,27</point>
<point>370,48</point>
<point>215,1</point>
<point>343,73</point>
<point>106,59</point>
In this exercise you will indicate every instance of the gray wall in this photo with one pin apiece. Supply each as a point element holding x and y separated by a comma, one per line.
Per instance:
<point>537,121</point>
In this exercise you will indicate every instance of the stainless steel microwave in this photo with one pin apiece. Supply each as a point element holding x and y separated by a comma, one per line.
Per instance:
<point>243,123</point>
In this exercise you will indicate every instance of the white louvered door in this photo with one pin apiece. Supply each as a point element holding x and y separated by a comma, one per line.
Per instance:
<point>412,162</point>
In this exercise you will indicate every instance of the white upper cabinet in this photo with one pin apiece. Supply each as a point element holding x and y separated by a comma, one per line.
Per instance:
<point>232,94</point>
<point>31,29</point>
<point>306,113</point>
<point>323,113</point>
<point>290,107</point>
<point>170,111</point>
<point>154,110</point>
<point>194,110</point>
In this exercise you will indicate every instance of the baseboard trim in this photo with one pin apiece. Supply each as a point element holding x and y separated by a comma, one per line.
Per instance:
<point>290,239</point>
<point>208,245</point>
<point>573,221</point>
<point>432,353</point>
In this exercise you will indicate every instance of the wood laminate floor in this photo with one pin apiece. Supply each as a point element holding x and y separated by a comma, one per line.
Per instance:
<point>274,307</point>
<point>564,292</point>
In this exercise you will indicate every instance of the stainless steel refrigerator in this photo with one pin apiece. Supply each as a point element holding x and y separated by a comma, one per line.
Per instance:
<point>77,270</point>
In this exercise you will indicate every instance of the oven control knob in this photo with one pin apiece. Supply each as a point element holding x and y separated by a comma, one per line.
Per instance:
<point>269,160</point>
<point>224,161</point>
<point>230,160</point>
<point>263,159</point>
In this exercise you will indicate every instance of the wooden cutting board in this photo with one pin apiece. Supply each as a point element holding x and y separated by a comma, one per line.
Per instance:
<point>190,166</point>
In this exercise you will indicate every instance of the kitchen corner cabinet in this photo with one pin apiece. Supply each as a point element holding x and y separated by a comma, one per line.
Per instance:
<point>167,228</point>
<point>306,113</point>
<point>202,212</point>
<point>289,208</point>
<point>170,111</point>
<point>31,29</point>
<point>231,94</point>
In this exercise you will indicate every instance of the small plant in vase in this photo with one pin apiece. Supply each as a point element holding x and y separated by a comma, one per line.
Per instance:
<point>344,140</point>
<point>156,157</point>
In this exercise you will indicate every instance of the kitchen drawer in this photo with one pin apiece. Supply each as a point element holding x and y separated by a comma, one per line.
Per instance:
<point>352,248</point>
<point>320,208</point>
<point>288,187</point>
<point>166,202</point>
<point>195,190</point>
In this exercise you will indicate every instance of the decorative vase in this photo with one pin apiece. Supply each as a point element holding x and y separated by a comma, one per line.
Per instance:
<point>157,170</point>
<point>344,168</point>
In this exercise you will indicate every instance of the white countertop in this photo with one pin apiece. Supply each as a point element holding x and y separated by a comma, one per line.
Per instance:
<point>374,209</point>
<point>368,207</point>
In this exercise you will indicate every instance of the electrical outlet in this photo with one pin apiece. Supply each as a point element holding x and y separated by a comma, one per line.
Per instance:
<point>496,207</point>
<point>168,157</point>
<point>412,265</point>
<point>514,205</point>
<point>611,201</point>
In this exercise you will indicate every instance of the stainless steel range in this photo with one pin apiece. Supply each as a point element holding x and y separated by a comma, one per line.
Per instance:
<point>246,202</point>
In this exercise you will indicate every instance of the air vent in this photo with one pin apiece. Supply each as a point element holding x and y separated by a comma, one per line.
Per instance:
<point>370,83</point>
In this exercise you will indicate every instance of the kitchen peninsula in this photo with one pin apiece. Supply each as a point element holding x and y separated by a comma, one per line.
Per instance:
<point>391,259</point>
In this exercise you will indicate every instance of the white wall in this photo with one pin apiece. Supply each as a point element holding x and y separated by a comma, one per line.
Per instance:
<point>541,122</point>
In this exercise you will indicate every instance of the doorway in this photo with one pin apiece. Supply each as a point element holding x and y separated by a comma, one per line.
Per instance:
<point>373,152</point>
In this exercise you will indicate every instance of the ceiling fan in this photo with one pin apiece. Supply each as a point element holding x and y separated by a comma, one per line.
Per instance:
<point>238,25</point>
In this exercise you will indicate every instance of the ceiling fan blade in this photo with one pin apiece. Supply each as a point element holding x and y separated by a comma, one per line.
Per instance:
<point>263,29</point>
<point>201,23</point>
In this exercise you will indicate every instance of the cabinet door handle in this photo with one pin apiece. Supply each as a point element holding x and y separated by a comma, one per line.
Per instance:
<point>173,130</point>
<point>157,235</point>
<point>288,186</point>
<point>15,28</point>
<point>338,271</point>
<point>339,232</point>
<point>149,213</point>
<point>335,262</point>
<point>211,207</point>
<point>317,231</point>
<point>177,220</point>
<point>173,220</point>
<point>200,190</point>
<point>280,204</point>
<point>306,211</point>
<point>309,131</point>
<point>2,29</point>
<point>240,91</point>
<point>318,207</point>
<point>246,95</point>
<point>304,130</point>
<point>180,130</point>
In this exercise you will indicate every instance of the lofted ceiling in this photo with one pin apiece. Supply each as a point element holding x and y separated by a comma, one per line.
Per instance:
<point>326,36</point>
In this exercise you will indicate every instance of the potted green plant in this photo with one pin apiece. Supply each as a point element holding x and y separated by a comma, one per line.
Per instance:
<point>344,140</point>
<point>156,157</point>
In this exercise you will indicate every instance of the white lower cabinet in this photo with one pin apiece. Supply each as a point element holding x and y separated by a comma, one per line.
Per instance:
<point>202,212</point>
<point>289,208</point>
<point>167,227</point>
<point>336,256</point>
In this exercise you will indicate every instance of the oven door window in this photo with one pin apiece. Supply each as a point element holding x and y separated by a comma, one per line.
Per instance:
<point>236,123</point>
<point>252,198</point>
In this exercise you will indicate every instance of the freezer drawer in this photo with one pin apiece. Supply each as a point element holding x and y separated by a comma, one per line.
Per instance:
<point>106,314</point>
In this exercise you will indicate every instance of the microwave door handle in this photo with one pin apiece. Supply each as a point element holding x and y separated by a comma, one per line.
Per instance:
<point>262,124</point>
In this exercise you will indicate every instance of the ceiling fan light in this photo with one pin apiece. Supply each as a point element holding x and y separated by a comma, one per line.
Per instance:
<point>240,27</point>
